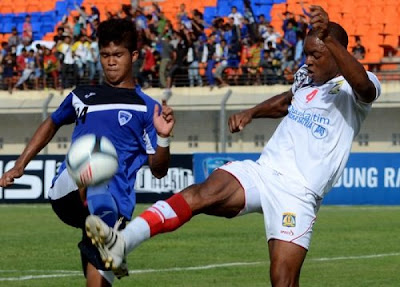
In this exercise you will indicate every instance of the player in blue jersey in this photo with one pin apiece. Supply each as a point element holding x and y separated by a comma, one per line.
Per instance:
<point>136,124</point>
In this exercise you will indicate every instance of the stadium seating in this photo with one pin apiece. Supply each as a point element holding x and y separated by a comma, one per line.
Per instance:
<point>374,21</point>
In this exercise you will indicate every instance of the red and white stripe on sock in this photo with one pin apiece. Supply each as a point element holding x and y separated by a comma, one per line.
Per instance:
<point>166,216</point>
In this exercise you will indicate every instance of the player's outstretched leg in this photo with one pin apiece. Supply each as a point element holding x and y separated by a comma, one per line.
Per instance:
<point>110,244</point>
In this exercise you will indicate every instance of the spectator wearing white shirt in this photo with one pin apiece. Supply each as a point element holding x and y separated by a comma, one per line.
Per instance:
<point>68,67</point>
<point>237,19</point>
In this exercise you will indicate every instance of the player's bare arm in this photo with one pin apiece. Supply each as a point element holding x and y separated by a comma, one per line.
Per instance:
<point>275,107</point>
<point>349,67</point>
<point>40,139</point>
<point>164,122</point>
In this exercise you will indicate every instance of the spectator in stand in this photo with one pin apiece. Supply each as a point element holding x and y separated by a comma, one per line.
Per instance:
<point>262,24</point>
<point>289,17</point>
<point>358,50</point>
<point>95,25</point>
<point>69,71</point>
<point>59,36</point>
<point>209,57</point>
<point>268,71</point>
<point>244,59</point>
<point>51,66</point>
<point>67,26</point>
<point>270,36</point>
<point>244,30</point>
<point>254,58</point>
<point>26,64</point>
<point>162,21</point>
<point>148,68</point>
<point>140,19</point>
<point>85,18</point>
<point>290,37</point>
<point>193,58</point>
<point>80,51</point>
<point>14,39</point>
<point>183,17</point>
<point>78,28</point>
<point>8,64</point>
<point>251,22</point>
<point>287,67</point>
<point>197,23</point>
<point>232,71</point>
<point>27,34</point>
<point>222,54</point>
<point>91,58</point>
<point>237,19</point>
<point>179,58</point>
<point>39,54</point>
<point>166,55</point>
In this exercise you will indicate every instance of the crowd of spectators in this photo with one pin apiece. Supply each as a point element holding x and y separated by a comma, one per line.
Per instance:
<point>240,49</point>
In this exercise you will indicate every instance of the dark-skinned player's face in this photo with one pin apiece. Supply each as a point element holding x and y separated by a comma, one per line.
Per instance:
<point>320,62</point>
<point>116,61</point>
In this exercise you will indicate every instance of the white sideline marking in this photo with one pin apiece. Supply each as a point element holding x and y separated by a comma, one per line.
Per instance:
<point>69,273</point>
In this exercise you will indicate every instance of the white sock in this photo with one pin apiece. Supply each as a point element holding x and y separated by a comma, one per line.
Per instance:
<point>137,231</point>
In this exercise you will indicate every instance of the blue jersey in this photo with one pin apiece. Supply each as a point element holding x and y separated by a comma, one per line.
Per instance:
<point>124,116</point>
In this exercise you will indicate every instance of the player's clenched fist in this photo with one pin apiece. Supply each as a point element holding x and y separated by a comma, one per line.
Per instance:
<point>319,20</point>
<point>238,121</point>
<point>8,177</point>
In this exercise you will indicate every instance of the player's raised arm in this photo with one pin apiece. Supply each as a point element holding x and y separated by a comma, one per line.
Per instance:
<point>40,139</point>
<point>275,107</point>
<point>164,122</point>
<point>349,67</point>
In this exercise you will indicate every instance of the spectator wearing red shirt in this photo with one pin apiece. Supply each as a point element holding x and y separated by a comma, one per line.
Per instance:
<point>148,68</point>
<point>51,66</point>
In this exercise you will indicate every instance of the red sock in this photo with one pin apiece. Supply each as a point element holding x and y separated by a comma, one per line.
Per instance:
<point>166,216</point>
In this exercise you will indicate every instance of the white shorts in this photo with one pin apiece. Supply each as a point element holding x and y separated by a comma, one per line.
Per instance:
<point>63,185</point>
<point>289,208</point>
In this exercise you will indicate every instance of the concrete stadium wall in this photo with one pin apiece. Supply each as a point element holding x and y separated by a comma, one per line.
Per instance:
<point>197,112</point>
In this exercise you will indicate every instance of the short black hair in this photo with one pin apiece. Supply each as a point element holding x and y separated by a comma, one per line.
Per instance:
<point>118,31</point>
<point>335,30</point>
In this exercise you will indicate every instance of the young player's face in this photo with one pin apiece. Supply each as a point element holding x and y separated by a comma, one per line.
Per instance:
<point>320,63</point>
<point>116,61</point>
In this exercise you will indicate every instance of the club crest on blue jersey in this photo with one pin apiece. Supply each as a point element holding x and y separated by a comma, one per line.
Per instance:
<point>289,219</point>
<point>124,117</point>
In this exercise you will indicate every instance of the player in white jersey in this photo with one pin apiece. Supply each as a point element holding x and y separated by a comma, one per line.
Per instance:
<point>331,96</point>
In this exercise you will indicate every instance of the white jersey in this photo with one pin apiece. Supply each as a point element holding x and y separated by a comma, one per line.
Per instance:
<point>313,142</point>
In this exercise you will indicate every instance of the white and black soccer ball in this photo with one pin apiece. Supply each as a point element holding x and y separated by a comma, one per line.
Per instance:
<point>92,160</point>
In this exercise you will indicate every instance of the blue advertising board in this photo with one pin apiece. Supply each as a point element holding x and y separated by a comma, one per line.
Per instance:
<point>369,178</point>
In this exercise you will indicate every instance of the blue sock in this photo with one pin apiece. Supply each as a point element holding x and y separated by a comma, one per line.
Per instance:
<point>101,203</point>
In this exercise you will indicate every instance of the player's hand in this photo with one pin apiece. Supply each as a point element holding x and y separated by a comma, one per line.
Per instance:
<point>238,121</point>
<point>8,177</point>
<point>164,121</point>
<point>319,20</point>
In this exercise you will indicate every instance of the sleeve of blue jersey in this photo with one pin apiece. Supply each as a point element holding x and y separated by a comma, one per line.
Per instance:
<point>65,113</point>
<point>149,125</point>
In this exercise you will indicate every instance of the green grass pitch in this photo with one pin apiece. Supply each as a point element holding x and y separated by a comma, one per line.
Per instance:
<point>351,246</point>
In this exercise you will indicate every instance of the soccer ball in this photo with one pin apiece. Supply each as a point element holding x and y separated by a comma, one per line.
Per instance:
<point>92,160</point>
